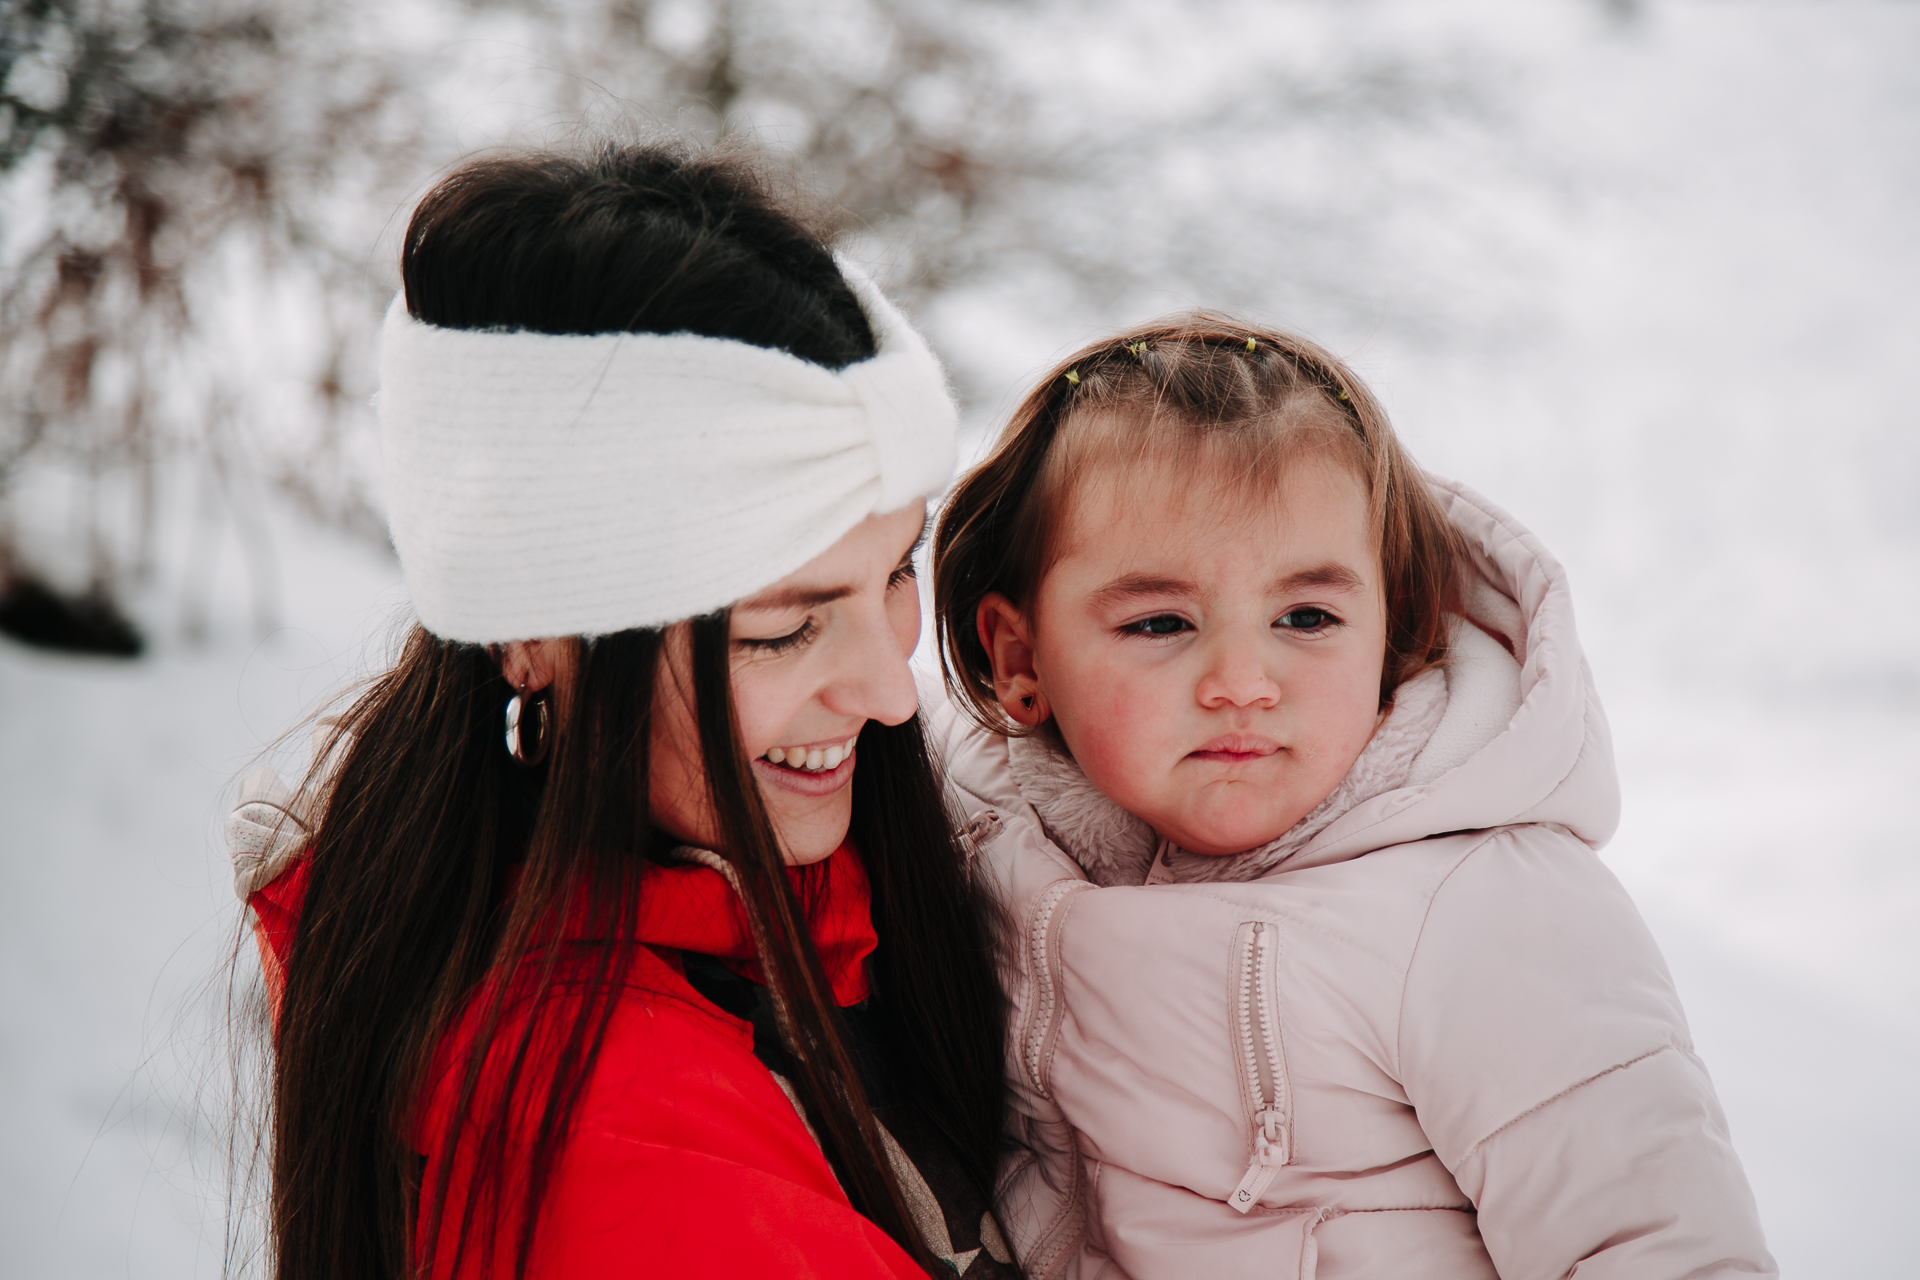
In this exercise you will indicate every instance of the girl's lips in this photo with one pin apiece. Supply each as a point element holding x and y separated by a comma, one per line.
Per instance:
<point>1235,748</point>
<point>800,782</point>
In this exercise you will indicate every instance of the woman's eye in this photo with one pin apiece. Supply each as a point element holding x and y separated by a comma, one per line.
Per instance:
<point>905,573</point>
<point>1305,620</point>
<point>780,644</point>
<point>1164,624</point>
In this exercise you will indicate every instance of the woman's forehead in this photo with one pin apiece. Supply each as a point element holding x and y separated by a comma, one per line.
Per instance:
<point>863,555</point>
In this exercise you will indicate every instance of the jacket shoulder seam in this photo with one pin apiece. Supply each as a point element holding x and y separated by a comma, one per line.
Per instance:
<point>1420,935</point>
<point>1570,1089</point>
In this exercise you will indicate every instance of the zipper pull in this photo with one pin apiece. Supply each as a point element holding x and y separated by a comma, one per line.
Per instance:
<point>1159,872</point>
<point>1269,1153</point>
<point>1252,1187</point>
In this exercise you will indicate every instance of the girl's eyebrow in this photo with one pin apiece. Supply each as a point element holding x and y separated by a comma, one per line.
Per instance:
<point>1131,586</point>
<point>1332,576</point>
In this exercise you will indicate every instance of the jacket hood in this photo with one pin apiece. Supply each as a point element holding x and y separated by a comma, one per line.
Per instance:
<point>1541,752</point>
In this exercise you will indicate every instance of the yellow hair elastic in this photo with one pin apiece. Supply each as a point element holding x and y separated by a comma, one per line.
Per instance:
<point>1251,346</point>
<point>1073,377</point>
<point>1139,349</point>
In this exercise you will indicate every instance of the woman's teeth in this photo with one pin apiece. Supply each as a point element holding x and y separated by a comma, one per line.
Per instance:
<point>813,760</point>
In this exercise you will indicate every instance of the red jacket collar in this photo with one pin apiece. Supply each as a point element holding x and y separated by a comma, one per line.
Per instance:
<point>687,908</point>
<point>693,908</point>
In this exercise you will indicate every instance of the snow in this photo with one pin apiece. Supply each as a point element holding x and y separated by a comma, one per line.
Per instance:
<point>1679,347</point>
<point>117,915</point>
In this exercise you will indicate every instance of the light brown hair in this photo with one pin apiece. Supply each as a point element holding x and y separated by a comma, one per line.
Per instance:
<point>1197,386</point>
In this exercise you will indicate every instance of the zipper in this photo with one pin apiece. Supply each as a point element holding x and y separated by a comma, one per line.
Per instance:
<point>1262,1062</point>
<point>1043,1018</point>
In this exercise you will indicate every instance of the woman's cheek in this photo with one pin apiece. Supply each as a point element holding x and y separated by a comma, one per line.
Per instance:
<point>757,705</point>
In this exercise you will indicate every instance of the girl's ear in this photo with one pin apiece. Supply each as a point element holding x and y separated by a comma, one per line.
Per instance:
<point>1008,640</point>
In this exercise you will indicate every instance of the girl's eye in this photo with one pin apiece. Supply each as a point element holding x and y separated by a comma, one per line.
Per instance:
<point>1163,624</point>
<point>780,644</point>
<point>905,573</point>
<point>1305,620</point>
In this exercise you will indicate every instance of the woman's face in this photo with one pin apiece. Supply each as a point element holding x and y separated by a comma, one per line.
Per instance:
<point>815,656</point>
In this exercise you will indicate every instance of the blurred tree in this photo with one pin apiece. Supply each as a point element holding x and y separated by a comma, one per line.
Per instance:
<point>161,162</point>
<point>1105,158</point>
<point>899,114</point>
<point>170,163</point>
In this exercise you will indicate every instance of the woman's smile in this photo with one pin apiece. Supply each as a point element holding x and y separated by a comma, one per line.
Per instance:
<point>814,757</point>
<point>805,771</point>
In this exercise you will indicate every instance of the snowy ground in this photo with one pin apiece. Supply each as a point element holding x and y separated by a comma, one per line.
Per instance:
<point>1706,411</point>
<point>116,913</point>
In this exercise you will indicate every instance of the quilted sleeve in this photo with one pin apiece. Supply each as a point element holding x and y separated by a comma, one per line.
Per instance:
<point>1546,1054</point>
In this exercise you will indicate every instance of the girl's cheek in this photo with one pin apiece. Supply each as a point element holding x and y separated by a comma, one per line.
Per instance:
<point>1121,722</point>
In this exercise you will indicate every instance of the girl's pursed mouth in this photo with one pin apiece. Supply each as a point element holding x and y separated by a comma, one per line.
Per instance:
<point>1233,747</point>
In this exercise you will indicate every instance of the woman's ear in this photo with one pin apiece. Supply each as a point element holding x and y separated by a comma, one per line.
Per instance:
<point>529,665</point>
<point>1008,640</point>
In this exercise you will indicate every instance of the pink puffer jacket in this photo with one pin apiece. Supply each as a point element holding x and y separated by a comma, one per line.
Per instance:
<point>1434,1041</point>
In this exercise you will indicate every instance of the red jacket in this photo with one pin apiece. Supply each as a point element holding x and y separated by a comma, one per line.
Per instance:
<point>686,1158</point>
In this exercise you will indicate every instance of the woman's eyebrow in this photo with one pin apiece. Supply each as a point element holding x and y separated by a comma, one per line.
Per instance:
<point>796,598</point>
<point>813,597</point>
<point>1332,575</point>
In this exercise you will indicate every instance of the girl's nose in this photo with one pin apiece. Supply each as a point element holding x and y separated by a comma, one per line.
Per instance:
<point>1237,677</point>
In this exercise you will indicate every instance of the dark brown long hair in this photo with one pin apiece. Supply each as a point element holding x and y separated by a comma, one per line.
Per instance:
<point>441,869</point>
<point>1249,397</point>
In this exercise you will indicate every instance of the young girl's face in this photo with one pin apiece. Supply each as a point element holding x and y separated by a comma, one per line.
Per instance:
<point>1212,659</point>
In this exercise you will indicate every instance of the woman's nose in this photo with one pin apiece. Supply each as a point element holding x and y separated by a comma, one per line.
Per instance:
<point>1237,675</point>
<point>872,679</point>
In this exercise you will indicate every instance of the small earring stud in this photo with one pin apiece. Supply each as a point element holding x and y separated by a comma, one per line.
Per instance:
<point>1027,702</point>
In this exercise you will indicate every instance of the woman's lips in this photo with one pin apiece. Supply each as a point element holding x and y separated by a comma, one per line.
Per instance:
<point>1235,748</point>
<point>801,782</point>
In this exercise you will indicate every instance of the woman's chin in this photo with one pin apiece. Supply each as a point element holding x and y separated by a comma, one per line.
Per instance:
<point>810,811</point>
<point>808,856</point>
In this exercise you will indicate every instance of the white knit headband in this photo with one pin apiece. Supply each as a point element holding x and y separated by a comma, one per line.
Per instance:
<point>555,484</point>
